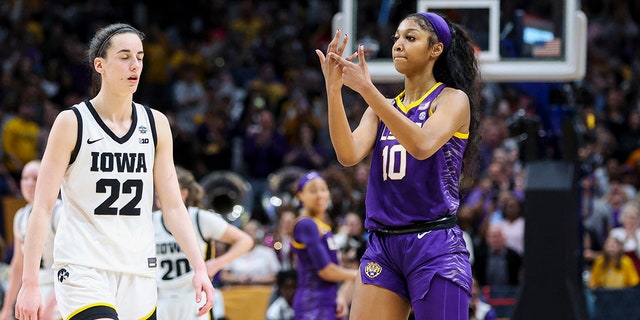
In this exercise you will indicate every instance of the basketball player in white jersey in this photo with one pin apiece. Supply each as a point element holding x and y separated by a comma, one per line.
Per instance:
<point>174,272</point>
<point>108,153</point>
<point>28,188</point>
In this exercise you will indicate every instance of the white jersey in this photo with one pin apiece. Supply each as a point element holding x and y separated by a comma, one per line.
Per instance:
<point>20,229</point>
<point>107,193</point>
<point>175,274</point>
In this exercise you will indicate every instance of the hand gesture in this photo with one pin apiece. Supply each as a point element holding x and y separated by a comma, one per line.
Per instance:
<point>330,67</point>
<point>202,284</point>
<point>354,75</point>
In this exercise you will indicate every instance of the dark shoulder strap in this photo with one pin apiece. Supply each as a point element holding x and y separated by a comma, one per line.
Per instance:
<point>197,226</point>
<point>152,122</point>
<point>76,148</point>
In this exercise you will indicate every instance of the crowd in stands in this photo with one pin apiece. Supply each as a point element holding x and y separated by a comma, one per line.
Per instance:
<point>242,87</point>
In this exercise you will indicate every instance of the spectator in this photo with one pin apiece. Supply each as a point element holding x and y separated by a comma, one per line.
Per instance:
<point>495,263</point>
<point>214,135</point>
<point>613,270</point>
<point>190,98</point>
<point>264,149</point>
<point>351,239</point>
<point>629,232</point>
<point>595,212</point>
<point>478,308</point>
<point>281,308</point>
<point>512,222</point>
<point>20,140</point>
<point>615,198</point>
<point>306,152</point>
<point>281,239</point>
<point>259,266</point>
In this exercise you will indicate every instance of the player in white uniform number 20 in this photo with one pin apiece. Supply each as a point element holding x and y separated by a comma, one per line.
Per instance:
<point>175,292</point>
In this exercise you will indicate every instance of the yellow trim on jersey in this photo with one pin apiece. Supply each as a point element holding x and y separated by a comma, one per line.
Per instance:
<point>322,226</point>
<point>406,109</point>
<point>461,135</point>
<point>456,134</point>
<point>322,229</point>
<point>99,304</point>
<point>297,244</point>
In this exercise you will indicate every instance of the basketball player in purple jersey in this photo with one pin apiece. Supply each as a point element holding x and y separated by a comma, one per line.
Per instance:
<point>319,270</point>
<point>416,257</point>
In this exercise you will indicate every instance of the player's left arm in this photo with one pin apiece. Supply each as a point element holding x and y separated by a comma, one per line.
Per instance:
<point>175,212</point>
<point>240,242</point>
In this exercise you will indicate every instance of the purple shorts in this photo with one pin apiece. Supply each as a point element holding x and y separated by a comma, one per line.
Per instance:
<point>407,263</point>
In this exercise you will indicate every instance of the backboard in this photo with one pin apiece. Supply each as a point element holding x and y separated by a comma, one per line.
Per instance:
<point>516,40</point>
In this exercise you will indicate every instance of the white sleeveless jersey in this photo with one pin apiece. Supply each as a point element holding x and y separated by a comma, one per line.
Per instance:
<point>20,229</point>
<point>107,193</point>
<point>175,274</point>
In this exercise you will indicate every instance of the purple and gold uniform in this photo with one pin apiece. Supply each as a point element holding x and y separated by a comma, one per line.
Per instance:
<point>405,191</point>
<point>314,246</point>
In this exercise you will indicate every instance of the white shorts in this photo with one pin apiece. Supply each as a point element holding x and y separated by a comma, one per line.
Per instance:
<point>179,308</point>
<point>46,290</point>
<point>89,293</point>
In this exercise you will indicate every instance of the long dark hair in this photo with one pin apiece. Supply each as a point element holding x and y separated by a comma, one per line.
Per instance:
<point>99,44</point>
<point>457,68</point>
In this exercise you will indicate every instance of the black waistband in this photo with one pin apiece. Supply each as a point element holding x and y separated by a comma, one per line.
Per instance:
<point>446,222</point>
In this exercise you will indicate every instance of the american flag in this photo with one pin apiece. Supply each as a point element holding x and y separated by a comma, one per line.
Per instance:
<point>549,49</point>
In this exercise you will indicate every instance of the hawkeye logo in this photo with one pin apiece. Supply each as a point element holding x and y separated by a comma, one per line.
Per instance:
<point>63,274</point>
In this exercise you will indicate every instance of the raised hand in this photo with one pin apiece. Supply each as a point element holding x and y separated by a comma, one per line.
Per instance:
<point>330,67</point>
<point>354,75</point>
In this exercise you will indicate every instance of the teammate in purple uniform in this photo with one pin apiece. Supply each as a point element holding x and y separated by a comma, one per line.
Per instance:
<point>319,270</point>
<point>416,256</point>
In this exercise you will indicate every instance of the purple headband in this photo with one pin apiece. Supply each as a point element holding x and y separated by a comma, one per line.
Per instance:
<point>440,26</point>
<point>306,178</point>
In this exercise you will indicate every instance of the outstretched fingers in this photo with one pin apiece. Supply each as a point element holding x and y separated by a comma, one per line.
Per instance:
<point>321,56</point>
<point>342,47</point>
<point>352,56</point>
<point>361,59</point>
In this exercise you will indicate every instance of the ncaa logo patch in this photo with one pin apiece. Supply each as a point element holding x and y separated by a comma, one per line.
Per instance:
<point>372,270</point>
<point>63,274</point>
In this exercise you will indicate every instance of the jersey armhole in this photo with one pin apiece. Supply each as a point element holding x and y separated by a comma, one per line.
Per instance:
<point>197,226</point>
<point>210,250</point>
<point>152,122</point>
<point>76,148</point>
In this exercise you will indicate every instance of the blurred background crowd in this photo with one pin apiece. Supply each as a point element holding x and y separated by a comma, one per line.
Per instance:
<point>243,89</point>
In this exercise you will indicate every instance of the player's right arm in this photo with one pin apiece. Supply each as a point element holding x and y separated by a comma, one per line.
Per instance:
<point>60,144</point>
<point>351,147</point>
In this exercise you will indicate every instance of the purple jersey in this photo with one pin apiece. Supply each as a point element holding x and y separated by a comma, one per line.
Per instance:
<point>403,190</point>
<point>314,246</point>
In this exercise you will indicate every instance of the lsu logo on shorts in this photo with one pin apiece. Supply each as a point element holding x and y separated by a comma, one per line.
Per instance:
<point>372,270</point>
